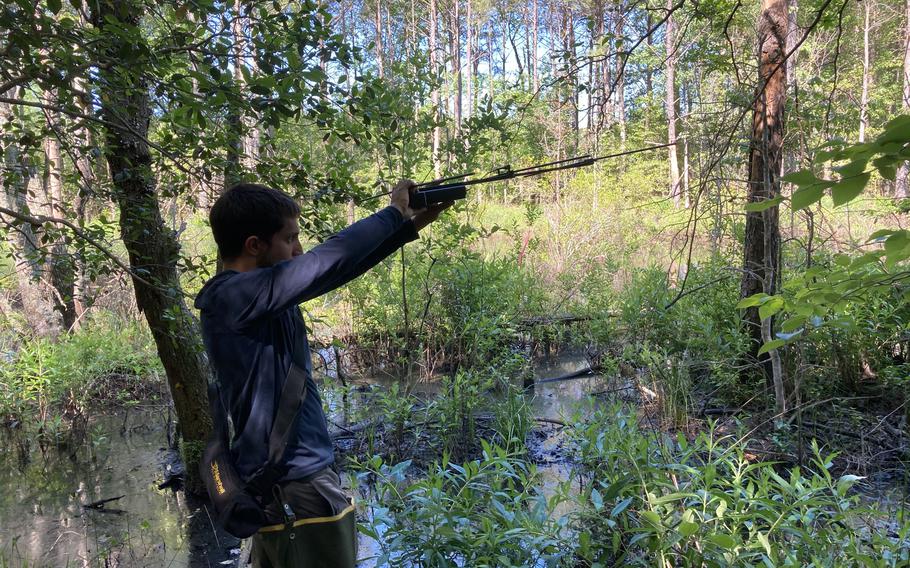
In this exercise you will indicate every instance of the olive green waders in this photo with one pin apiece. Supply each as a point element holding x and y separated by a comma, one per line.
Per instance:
<point>320,532</point>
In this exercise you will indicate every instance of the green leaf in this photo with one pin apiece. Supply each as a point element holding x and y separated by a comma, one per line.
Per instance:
<point>801,178</point>
<point>770,307</point>
<point>597,500</point>
<point>847,189</point>
<point>722,540</point>
<point>652,519</point>
<point>687,529</point>
<point>753,300</point>
<point>763,539</point>
<point>793,324</point>
<point>774,344</point>
<point>881,233</point>
<point>621,506</point>
<point>54,5</point>
<point>853,167</point>
<point>886,167</point>
<point>803,198</point>
<point>896,130</point>
<point>759,206</point>
<point>896,243</point>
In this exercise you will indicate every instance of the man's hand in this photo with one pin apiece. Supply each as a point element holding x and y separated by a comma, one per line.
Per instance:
<point>401,198</point>
<point>426,216</point>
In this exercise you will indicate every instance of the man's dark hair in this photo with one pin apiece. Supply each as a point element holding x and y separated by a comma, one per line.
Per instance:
<point>246,210</point>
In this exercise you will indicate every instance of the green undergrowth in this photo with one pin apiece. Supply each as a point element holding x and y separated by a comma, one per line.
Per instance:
<point>105,361</point>
<point>635,498</point>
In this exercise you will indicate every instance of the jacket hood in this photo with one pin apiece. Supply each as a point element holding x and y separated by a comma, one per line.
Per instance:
<point>205,297</point>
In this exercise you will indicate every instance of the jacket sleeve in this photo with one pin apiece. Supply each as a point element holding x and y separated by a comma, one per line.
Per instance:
<point>266,292</point>
<point>404,235</point>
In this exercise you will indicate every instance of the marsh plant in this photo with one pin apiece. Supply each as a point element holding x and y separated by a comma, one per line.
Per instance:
<point>638,499</point>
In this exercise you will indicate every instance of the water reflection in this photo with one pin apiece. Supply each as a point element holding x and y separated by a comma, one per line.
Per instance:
<point>43,521</point>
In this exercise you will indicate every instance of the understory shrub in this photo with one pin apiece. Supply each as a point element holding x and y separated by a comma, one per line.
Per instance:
<point>636,499</point>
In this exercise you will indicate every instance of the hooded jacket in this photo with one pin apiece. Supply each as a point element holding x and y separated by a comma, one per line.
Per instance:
<point>252,329</point>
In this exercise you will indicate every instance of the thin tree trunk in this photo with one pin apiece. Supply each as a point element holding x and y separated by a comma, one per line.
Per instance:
<point>900,186</point>
<point>620,78</point>
<point>490,58</point>
<point>152,248</point>
<point>456,64</point>
<point>31,270</point>
<point>649,71</point>
<point>670,104</point>
<point>378,45</point>
<point>761,267</point>
<point>867,72</point>
<point>86,171</point>
<point>61,265</point>
<point>534,23</point>
<point>434,96</point>
<point>469,55</point>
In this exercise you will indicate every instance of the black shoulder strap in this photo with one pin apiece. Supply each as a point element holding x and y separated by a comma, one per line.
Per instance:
<point>293,393</point>
<point>292,396</point>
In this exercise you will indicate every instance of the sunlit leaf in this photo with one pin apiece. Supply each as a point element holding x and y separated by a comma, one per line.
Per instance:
<point>848,188</point>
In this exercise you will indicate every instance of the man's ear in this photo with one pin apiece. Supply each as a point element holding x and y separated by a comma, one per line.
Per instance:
<point>254,246</point>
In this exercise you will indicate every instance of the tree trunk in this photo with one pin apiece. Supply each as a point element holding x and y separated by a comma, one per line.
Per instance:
<point>32,275</point>
<point>434,96</point>
<point>867,71</point>
<point>378,45</point>
<point>649,71</point>
<point>620,78</point>
<point>469,56</point>
<point>761,268</point>
<point>490,58</point>
<point>61,265</point>
<point>670,103</point>
<point>152,249</point>
<point>455,32</point>
<point>900,187</point>
<point>534,23</point>
<point>86,171</point>
<point>248,143</point>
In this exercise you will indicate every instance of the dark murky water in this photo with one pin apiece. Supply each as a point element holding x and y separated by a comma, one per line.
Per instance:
<point>43,521</point>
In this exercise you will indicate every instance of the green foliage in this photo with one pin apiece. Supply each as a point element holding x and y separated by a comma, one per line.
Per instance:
<point>487,512</point>
<point>645,500</point>
<point>104,360</point>
<point>655,500</point>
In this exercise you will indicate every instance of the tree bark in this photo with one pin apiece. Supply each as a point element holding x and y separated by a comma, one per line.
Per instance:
<point>864,99</point>
<point>455,32</point>
<point>60,263</point>
<point>900,186</point>
<point>534,24</point>
<point>32,274</point>
<point>378,45</point>
<point>761,267</point>
<point>620,78</point>
<point>152,249</point>
<point>469,56</point>
<point>434,96</point>
<point>670,104</point>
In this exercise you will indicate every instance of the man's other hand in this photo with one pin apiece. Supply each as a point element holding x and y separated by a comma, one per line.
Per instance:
<point>426,216</point>
<point>401,198</point>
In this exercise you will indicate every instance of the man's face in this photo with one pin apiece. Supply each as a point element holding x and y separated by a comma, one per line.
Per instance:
<point>285,244</point>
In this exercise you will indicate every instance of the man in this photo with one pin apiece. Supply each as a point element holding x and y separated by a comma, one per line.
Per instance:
<point>253,330</point>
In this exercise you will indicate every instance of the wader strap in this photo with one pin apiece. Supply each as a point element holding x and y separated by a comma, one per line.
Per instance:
<point>286,510</point>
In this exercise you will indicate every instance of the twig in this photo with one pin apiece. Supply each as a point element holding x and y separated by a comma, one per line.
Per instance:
<point>99,504</point>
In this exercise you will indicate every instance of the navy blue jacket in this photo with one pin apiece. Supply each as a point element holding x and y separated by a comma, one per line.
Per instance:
<point>251,324</point>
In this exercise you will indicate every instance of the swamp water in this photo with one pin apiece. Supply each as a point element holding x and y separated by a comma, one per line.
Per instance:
<point>44,521</point>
